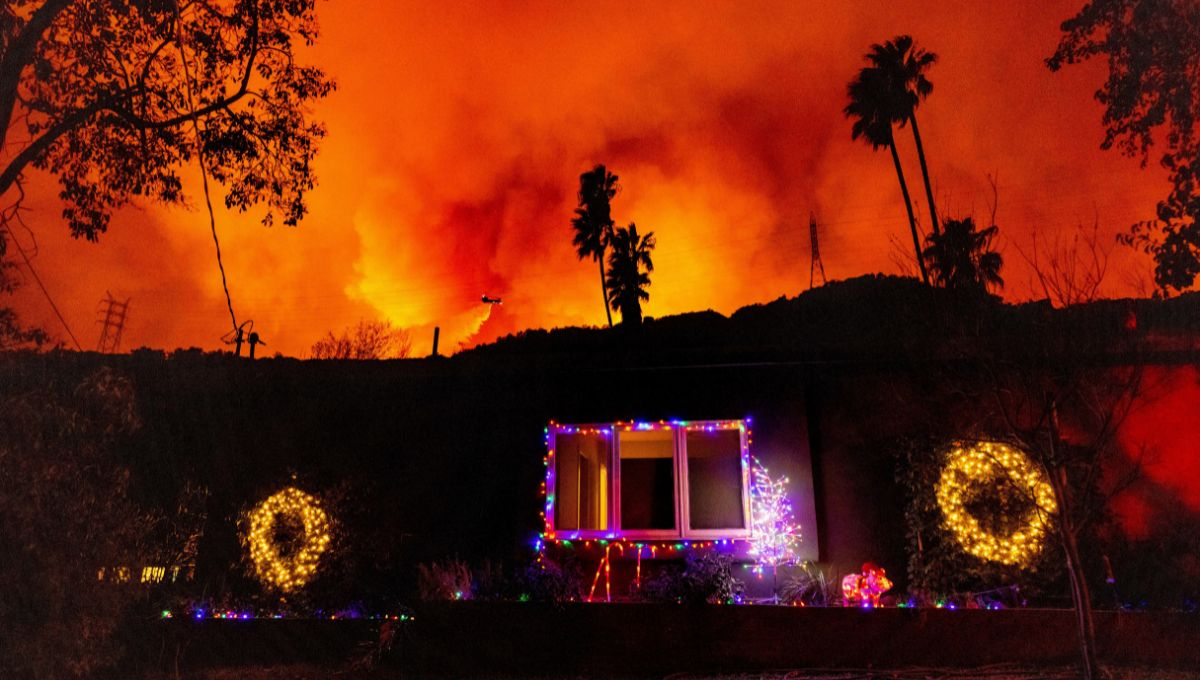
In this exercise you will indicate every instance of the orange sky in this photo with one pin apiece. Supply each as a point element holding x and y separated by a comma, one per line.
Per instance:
<point>458,132</point>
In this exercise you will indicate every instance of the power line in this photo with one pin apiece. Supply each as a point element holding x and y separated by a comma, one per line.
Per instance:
<point>212,220</point>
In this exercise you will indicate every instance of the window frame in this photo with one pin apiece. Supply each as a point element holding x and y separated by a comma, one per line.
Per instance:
<point>682,501</point>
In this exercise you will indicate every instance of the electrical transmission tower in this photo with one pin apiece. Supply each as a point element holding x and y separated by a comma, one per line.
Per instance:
<point>816,253</point>
<point>112,323</point>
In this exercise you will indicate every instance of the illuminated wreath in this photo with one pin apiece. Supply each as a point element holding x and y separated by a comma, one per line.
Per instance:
<point>290,571</point>
<point>986,463</point>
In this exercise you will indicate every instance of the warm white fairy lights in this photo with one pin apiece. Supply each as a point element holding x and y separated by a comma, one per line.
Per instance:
<point>992,463</point>
<point>292,571</point>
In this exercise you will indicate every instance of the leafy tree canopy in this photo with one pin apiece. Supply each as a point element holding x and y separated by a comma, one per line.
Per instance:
<point>961,256</point>
<point>113,97</point>
<point>1151,95</point>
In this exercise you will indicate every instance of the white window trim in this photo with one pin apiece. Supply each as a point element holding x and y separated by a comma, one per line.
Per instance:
<point>682,502</point>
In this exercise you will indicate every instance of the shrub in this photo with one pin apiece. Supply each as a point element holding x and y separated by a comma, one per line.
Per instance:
<point>549,581</point>
<point>811,587</point>
<point>706,578</point>
<point>65,514</point>
<point>446,580</point>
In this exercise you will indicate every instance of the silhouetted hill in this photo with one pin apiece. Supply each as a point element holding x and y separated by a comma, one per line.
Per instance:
<point>872,317</point>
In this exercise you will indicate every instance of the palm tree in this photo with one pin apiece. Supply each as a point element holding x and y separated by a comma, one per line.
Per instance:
<point>905,65</point>
<point>962,258</point>
<point>872,114</point>
<point>593,220</point>
<point>629,267</point>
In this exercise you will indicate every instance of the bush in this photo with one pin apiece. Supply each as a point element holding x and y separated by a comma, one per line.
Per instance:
<point>706,578</point>
<point>549,581</point>
<point>812,587</point>
<point>447,580</point>
<point>65,514</point>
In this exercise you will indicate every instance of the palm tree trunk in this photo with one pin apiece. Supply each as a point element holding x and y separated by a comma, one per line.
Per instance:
<point>912,220</point>
<point>933,218</point>
<point>604,289</point>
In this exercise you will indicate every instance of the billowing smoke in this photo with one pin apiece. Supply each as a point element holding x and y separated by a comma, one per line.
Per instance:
<point>459,131</point>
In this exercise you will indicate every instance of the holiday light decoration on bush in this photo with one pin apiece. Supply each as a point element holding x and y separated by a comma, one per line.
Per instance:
<point>287,572</point>
<point>774,533</point>
<point>865,589</point>
<point>992,463</point>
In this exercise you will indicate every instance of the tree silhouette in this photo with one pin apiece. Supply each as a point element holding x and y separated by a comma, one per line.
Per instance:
<point>114,98</point>
<point>13,334</point>
<point>961,257</point>
<point>367,340</point>
<point>904,66</point>
<point>629,265</point>
<point>871,111</point>
<point>1153,57</point>
<point>67,511</point>
<point>593,220</point>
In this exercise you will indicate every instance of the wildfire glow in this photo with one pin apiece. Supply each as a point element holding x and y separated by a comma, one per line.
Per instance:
<point>457,135</point>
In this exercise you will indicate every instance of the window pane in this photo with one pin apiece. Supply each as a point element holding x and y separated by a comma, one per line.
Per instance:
<point>714,461</point>
<point>581,481</point>
<point>647,479</point>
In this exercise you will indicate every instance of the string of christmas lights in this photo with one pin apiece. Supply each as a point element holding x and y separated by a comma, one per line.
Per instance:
<point>988,463</point>
<point>294,571</point>
<point>775,535</point>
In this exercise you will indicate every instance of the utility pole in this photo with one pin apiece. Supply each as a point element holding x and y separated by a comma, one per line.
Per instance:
<point>816,253</point>
<point>112,323</point>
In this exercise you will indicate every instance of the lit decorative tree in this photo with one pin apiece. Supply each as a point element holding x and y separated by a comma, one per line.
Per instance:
<point>776,534</point>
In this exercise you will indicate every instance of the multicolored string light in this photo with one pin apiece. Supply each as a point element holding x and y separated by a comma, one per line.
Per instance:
<point>978,463</point>
<point>616,537</point>
<point>775,535</point>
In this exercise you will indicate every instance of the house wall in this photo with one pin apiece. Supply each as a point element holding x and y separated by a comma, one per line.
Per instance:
<point>436,458</point>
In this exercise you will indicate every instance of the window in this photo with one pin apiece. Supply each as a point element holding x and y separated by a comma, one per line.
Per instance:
<point>649,480</point>
<point>581,482</point>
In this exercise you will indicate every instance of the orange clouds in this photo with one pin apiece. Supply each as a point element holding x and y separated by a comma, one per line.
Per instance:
<point>458,132</point>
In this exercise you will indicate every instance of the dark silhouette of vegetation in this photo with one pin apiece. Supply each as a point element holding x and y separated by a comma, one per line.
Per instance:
<point>1039,400</point>
<point>114,98</point>
<point>961,257</point>
<point>904,65</point>
<point>872,113</point>
<point>593,221</point>
<point>1069,271</point>
<point>1153,53</point>
<point>367,340</point>
<point>65,514</point>
<point>14,335</point>
<point>629,267</point>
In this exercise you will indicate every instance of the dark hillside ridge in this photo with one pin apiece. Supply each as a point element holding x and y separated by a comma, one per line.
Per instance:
<point>869,318</point>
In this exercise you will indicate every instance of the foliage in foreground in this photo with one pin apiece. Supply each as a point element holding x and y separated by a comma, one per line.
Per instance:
<point>705,578</point>
<point>1150,95</point>
<point>65,513</point>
